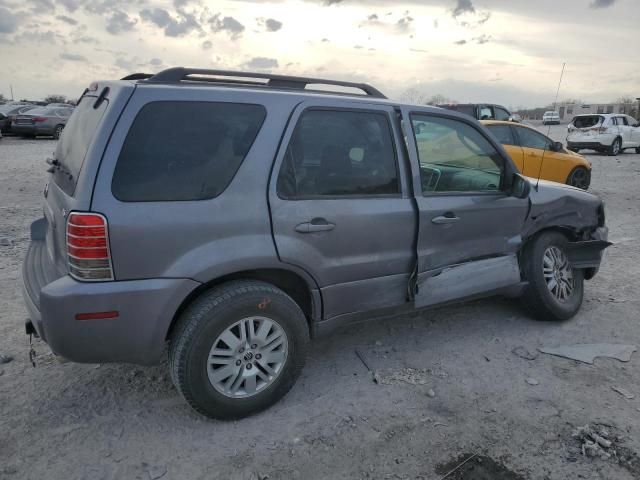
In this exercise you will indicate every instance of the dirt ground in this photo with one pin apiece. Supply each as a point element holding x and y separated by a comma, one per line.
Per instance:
<point>449,387</point>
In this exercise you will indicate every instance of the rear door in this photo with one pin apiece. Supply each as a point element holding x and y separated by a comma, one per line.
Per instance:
<point>625,131</point>
<point>634,126</point>
<point>469,225</point>
<point>505,135</point>
<point>340,204</point>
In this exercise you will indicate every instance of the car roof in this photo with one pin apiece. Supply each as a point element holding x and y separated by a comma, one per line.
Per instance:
<point>513,124</point>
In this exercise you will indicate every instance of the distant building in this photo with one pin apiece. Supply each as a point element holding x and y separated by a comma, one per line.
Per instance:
<point>569,110</point>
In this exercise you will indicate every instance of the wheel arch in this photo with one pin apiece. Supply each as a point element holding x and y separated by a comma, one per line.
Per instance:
<point>305,294</point>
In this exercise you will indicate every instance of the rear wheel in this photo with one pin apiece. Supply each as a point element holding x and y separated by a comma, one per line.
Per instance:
<point>238,349</point>
<point>58,131</point>
<point>555,289</point>
<point>615,147</point>
<point>579,178</point>
<point>637,149</point>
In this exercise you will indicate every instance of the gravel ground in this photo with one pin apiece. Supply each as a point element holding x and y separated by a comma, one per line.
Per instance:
<point>450,386</point>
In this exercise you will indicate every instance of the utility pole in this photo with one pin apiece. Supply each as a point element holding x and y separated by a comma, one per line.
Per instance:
<point>11,88</point>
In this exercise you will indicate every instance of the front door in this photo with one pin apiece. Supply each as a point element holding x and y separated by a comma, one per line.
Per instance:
<point>340,205</point>
<point>470,227</point>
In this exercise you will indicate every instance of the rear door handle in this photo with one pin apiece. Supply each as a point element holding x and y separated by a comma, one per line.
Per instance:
<point>315,225</point>
<point>445,219</point>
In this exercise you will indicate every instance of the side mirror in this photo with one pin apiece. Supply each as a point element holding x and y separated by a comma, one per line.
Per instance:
<point>556,147</point>
<point>520,186</point>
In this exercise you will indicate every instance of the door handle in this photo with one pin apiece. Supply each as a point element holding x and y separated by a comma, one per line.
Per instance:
<point>445,219</point>
<point>315,225</point>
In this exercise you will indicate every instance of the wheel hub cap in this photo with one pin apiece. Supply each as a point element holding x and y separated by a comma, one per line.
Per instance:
<point>558,273</point>
<point>247,357</point>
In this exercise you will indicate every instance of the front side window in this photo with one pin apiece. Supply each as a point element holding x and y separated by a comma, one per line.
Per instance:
<point>455,157</point>
<point>184,150</point>
<point>503,133</point>
<point>532,139</point>
<point>501,114</point>
<point>339,153</point>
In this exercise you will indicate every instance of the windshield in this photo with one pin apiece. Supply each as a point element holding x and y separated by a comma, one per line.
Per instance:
<point>75,141</point>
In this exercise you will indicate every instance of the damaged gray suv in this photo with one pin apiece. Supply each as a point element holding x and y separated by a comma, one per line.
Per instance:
<point>233,216</point>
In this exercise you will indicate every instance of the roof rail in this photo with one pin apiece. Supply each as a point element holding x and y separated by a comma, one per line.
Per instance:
<point>137,76</point>
<point>178,74</point>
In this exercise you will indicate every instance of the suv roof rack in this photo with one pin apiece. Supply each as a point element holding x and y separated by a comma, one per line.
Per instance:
<point>137,76</point>
<point>178,74</point>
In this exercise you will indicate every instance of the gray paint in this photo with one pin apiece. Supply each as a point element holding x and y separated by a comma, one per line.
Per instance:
<point>368,264</point>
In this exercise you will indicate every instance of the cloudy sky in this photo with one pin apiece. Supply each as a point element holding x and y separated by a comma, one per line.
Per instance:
<point>503,51</point>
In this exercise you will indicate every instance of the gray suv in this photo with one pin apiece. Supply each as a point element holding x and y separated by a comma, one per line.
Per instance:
<point>271,212</point>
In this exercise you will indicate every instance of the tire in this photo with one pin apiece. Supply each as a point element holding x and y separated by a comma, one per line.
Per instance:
<point>538,298</point>
<point>637,149</point>
<point>58,131</point>
<point>211,319</point>
<point>615,148</point>
<point>579,178</point>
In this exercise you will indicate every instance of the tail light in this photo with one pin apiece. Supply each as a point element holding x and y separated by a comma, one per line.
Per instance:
<point>39,119</point>
<point>88,247</point>
<point>600,129</point>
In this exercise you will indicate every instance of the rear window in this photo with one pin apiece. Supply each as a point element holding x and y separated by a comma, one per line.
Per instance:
<point>74,142</point>
<point>184,150</point>
<point>587,121</point>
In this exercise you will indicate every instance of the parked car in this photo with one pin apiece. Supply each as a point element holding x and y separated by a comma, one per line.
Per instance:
<point>536,155</point>
<point>480,111</point>
<point>611,133</point>
<point>271,214</point>
<point>551,118</point>
<point>9,111</point>
<point>41,121</point>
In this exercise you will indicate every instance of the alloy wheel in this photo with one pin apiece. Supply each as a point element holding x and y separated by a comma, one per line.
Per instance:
<point>247,357</point>
<point>558,274</point>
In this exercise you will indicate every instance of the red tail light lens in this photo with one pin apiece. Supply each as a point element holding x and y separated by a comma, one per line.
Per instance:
<point>39,119</point>
<point>88,247</point>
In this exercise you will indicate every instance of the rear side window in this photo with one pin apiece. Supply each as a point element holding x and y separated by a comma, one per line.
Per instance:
<point>587,121</point>
<point>74,143</point>
<point>184,150</point>
<point>532,139</point>
<point>339,153</point>
<point>503,133</point>
<point>501,113</point>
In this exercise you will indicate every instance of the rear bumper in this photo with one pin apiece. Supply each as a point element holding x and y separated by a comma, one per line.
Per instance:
<point>599,142</point>
<point>145,311</point>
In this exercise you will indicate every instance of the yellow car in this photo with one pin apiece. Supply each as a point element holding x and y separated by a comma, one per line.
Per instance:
<point>526,146</point>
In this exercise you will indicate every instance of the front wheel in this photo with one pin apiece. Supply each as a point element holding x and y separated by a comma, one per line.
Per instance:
<point>579,178</point>
<point>555,289</point>
<point>58,131</point>
<point>238,349</point>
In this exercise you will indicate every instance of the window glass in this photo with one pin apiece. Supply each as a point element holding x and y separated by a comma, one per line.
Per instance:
<point>455,157</point>
<point>501,113</point>
<point>622,121</point>
<point>486,113</point>
<point>503,133</point>
<point>532,139</point>
<point>337,153</point>
<point>184,150</point>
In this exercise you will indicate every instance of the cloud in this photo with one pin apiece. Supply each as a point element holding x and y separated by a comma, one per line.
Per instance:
<point>73,57</point>
<point>273,25</point>
<point>70,5</point>
<point>328,3</point>
<point>87,39</point>
<point>8,21</point>
<point>602,3</point>
<point>463,6</point>
<point>172,27</point>
<point>482,39</point>
<point>206,45</point>
<point>460,42</point>
<point>120,22</point>
<point>226,24</point>
<point>68,20</point>
<point>40,6</point>
<point>262,63</point>
<point>156,62</point>
<point>402,25</point>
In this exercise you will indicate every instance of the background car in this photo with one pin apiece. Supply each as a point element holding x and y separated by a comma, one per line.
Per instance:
<point>610,133</point>
<point>9,111</point>
<point>41,121</point>
<point>528,147</point>
<point>551,118</point>
<point>480,111</point>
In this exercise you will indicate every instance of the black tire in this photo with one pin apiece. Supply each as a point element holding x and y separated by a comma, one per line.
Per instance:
<point>579,178</point>
<point>58,131</point>
<point>537,298</point>
<point>615,148</point>
<point>207,318</point>
<point>637,149</point>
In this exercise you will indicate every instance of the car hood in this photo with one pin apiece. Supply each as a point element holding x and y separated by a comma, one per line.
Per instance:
<point>557,205</point>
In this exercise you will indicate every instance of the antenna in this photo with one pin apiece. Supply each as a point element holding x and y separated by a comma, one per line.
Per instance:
<point>549,129</point>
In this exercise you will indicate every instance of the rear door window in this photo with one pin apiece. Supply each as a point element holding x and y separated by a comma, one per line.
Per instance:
<point>184,150</point>
<point>503,133</point>
<point>339,153</point>
<point>532,139</point>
